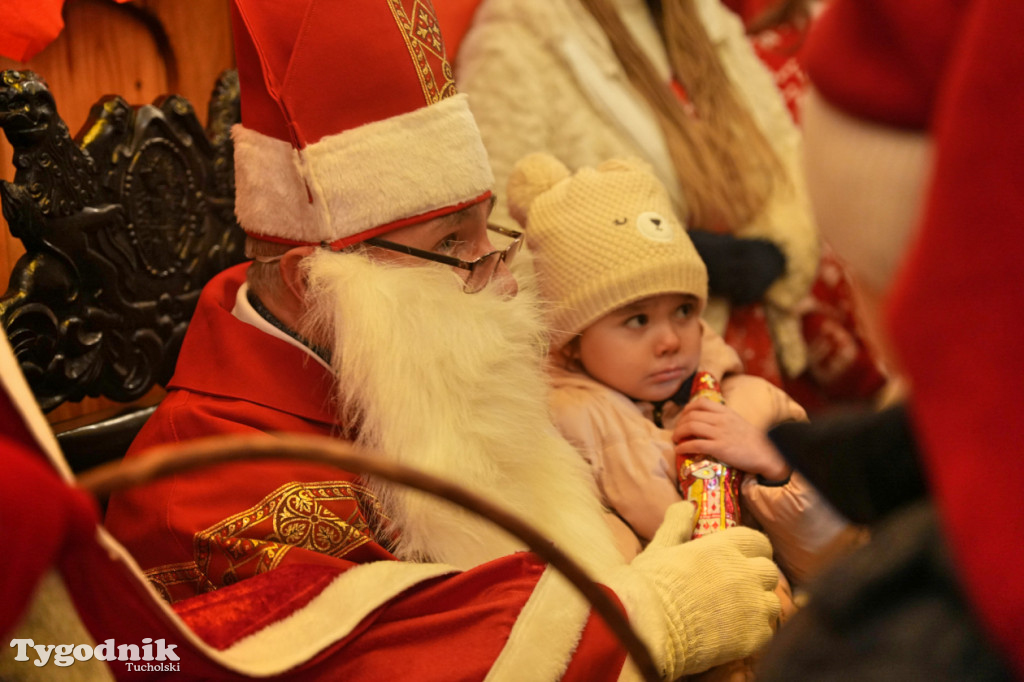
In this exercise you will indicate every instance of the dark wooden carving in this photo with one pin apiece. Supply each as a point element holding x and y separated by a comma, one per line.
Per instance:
<point>122,225</point>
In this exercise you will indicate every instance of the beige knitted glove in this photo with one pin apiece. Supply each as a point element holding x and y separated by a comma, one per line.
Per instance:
<point>703,602</point>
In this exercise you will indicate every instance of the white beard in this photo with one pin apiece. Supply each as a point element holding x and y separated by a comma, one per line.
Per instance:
<point>453,384</point>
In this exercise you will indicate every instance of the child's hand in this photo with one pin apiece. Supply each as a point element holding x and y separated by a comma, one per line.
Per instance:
<point>705,427</point>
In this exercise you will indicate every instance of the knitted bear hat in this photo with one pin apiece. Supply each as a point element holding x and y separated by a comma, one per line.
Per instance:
<point>603,237</point>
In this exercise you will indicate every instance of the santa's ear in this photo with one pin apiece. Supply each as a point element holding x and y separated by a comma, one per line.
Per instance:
<point>293,275</point>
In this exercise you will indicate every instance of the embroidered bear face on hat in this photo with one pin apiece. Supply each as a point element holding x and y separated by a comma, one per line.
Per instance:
<point>603,237</point>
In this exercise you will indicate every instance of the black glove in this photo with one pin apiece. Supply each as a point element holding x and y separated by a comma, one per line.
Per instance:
<point>866,463</point>
<point>740,270</point>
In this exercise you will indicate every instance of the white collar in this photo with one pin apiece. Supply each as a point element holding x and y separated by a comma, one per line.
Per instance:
<point>244,312</point>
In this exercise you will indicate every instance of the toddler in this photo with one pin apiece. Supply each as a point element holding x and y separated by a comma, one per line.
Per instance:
<point>625,290</point>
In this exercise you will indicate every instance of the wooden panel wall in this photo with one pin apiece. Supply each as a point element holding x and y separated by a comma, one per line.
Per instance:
<point>138,50</point>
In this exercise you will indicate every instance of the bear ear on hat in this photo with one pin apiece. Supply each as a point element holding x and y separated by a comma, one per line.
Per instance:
<point>532,175</point>
<point>628,163</point>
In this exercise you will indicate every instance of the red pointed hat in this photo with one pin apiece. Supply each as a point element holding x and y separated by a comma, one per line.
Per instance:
<point>351,124</point>
<point>951,69</point>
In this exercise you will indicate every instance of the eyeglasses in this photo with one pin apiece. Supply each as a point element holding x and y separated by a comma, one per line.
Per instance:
<point>481,270</point>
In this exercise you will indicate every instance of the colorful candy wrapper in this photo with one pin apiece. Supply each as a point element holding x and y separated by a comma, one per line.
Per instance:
<point>713,487</point>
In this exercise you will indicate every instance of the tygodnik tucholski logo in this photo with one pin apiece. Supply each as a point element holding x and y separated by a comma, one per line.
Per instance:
<point>148,656</point>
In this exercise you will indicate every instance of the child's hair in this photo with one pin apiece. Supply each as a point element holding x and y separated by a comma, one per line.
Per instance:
<point>602,238</point>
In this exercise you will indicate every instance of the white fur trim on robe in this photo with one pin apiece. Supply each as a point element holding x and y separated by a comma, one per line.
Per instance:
<point>287,643</point>
<point>14,383</point>
<point>545,634</point>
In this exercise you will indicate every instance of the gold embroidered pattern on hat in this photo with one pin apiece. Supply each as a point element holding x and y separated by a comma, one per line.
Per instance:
<point>426,47</point>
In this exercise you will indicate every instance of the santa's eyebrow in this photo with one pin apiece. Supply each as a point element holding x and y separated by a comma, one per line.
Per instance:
<point>463,214</point>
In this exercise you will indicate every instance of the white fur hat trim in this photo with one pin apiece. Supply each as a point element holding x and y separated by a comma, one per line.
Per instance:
<point>357,183</point>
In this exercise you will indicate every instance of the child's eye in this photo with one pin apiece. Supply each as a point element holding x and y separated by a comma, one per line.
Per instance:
<point>636,321</point>
<point>686,310</point>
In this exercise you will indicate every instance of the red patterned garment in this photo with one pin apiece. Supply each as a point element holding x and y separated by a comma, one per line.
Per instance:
<point>842,366</point>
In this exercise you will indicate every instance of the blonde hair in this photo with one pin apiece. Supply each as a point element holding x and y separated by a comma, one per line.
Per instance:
<point>726,167</point>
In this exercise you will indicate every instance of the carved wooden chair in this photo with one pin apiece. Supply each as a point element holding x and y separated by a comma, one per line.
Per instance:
<point>122,226</point>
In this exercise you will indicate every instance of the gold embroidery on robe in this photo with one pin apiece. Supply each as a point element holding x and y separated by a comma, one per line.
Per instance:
<point>295,515</point>
<point>176,581</point>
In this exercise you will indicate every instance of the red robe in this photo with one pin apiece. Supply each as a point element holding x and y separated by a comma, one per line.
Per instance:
<point>246,544</point>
